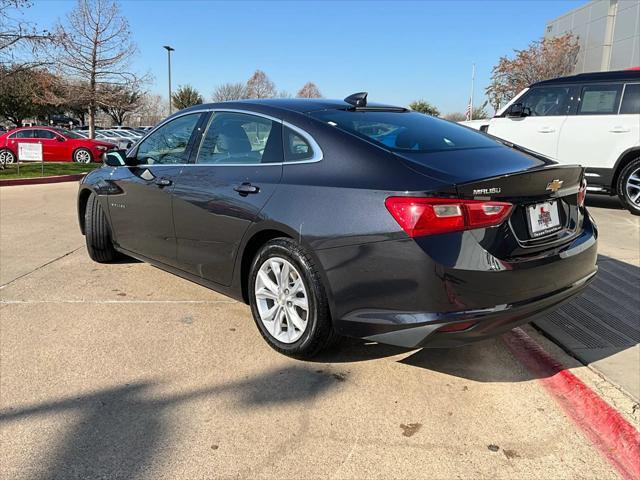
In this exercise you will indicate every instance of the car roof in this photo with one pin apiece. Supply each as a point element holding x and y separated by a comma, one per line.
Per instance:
<point>594,77</point>
<point>298,105</point>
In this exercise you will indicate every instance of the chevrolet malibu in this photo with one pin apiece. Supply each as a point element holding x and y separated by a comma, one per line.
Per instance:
<point>334,218</point>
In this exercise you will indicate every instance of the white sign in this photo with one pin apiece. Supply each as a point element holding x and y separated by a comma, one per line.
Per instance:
<point>30,152</point>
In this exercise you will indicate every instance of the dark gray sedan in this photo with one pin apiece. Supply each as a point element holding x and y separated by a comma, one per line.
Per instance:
<point>345,218</point>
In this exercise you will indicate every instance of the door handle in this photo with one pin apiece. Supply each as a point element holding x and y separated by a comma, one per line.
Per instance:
<point>620,129</point>
<point>163,182</point>
<point>246,188</point>
<point>546,130</point>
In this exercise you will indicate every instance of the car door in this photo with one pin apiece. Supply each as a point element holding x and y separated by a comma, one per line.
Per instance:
<point>53,150</point>
<point>544,112</point>
<point>141,213</point>
<point>596,135</point>
<point>21,136</point>
<point>237,168</point>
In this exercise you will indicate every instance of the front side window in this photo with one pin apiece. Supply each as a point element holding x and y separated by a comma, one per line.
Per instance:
<point>547,101</point>
<point>631,99</point>
<point>168,144</point>
<point>44,134</point>
<point>600,100</point>
<point>240,139</point>
<point>405,131</point>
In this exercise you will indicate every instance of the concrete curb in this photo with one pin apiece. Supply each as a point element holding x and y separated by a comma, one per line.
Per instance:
<point>616,439</point>
<point>40,180</point>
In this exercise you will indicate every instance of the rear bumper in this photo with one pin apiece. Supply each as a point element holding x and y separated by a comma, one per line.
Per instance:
<point>419,329</point>
<point>403,292</point>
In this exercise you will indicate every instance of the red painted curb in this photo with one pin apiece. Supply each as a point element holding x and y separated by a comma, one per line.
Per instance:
<point>38,180</point>
<point>615,437</point>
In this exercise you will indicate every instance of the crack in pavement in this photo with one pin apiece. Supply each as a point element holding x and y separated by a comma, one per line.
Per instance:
<point>4,285</point>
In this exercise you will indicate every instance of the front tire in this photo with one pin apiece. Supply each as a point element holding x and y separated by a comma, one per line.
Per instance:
<point>288,300</point>
<point>628,187</point>
<point>97,232</point>
<point>7,157</point>
<point>82,155</point>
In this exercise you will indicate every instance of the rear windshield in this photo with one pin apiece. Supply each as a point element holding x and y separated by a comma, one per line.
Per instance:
<point>405,131</point>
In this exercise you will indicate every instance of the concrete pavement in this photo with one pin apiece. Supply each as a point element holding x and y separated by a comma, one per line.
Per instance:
<point>125,371</point>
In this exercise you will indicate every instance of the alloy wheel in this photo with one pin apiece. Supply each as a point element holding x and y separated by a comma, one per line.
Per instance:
<point>6,157</point>
<point>632,188</point>
<point>282,300</point>
<point>82,156</point>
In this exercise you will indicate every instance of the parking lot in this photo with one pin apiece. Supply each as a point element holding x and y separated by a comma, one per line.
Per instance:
<point>125,371</point>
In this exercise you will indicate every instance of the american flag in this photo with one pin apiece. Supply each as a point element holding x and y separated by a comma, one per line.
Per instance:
<point>467,113</point>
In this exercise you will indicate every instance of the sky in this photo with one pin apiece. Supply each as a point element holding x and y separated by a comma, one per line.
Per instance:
<point>398,51</point>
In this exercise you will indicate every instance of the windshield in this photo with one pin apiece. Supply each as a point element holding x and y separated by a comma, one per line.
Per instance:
<point>68,133</point>
<point>405,131</point>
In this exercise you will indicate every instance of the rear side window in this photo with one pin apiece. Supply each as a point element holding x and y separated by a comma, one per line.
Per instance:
<point>631,99</point>
<point>548,101</point>
<point>23,134</point>
<point>296,147</point>
<point>599,100</point>
<point>405,131</point>
<point>240,139</point>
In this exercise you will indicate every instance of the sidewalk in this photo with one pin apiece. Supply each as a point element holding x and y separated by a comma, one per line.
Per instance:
<point>601,328</point>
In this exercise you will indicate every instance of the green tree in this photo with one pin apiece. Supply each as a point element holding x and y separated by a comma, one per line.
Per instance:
<point>425,107</point>
<point>186,96</point>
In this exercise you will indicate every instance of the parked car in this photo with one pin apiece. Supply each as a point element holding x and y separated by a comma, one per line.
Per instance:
<point>104,136</point>
<point>342,218</point>
<point>591,119</point>
<point>58,145</point>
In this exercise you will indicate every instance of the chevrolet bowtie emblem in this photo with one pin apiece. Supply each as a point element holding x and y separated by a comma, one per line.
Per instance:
<point>555,185</point>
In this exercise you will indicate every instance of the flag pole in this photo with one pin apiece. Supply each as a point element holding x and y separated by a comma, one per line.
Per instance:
<point>473,77</point>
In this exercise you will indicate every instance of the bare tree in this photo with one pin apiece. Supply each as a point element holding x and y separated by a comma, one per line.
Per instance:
<point>283,94</point>
<point>260,86</point>
<point>96,50</point>
<point>542,60</point>
<point>229,91</point>
<point>309,90</point>
<point>152,109</point>
<point>186,96</point>
<point>455,116</point>
<point>20,41</point>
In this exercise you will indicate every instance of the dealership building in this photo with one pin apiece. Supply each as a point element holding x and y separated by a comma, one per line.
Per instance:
<point>608,32</point>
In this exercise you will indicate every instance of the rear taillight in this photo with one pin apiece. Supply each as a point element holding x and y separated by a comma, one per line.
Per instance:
<point>420,216</point>
<point>582,193</point>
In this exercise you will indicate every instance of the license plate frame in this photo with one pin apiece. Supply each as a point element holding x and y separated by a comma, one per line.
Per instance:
<point>543,218</point>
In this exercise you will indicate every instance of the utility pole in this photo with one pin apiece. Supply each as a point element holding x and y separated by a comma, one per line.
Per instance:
<point>473,77</point>
<point>169,50</point>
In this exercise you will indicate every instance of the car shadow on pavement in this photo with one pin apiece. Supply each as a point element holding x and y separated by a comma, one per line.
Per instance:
<point>604,201</point>
<point>116,432</point>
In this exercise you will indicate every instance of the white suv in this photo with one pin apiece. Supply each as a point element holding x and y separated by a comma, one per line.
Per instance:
<point>591,119</point>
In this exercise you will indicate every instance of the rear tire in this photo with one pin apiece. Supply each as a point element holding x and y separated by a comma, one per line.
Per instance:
<point>317,333</point>
<point>7,157</point>
<point>82,155</point>
<point>97,232</point>
<point>628,187</point>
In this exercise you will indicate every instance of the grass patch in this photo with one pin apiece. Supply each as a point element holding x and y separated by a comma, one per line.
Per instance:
<point>30,170</point>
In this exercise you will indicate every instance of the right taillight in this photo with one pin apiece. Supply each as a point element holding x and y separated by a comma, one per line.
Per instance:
<point>582,193</point>
<point>420,216</point>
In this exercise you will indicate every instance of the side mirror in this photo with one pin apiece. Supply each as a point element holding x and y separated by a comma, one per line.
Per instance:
<point>115,158</point>
<point>516,110</point>
<point>60,139</point>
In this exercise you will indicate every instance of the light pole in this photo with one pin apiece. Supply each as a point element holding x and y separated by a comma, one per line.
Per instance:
<point>169,50</point>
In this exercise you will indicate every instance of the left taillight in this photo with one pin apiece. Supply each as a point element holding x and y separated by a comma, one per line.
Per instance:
<point>419,216</point>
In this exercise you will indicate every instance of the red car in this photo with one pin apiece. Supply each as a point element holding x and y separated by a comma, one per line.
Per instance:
<point>58,145</point>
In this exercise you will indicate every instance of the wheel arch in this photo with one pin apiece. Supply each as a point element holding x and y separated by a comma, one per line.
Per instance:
<point>83,198</point>
<point>628,155</point>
